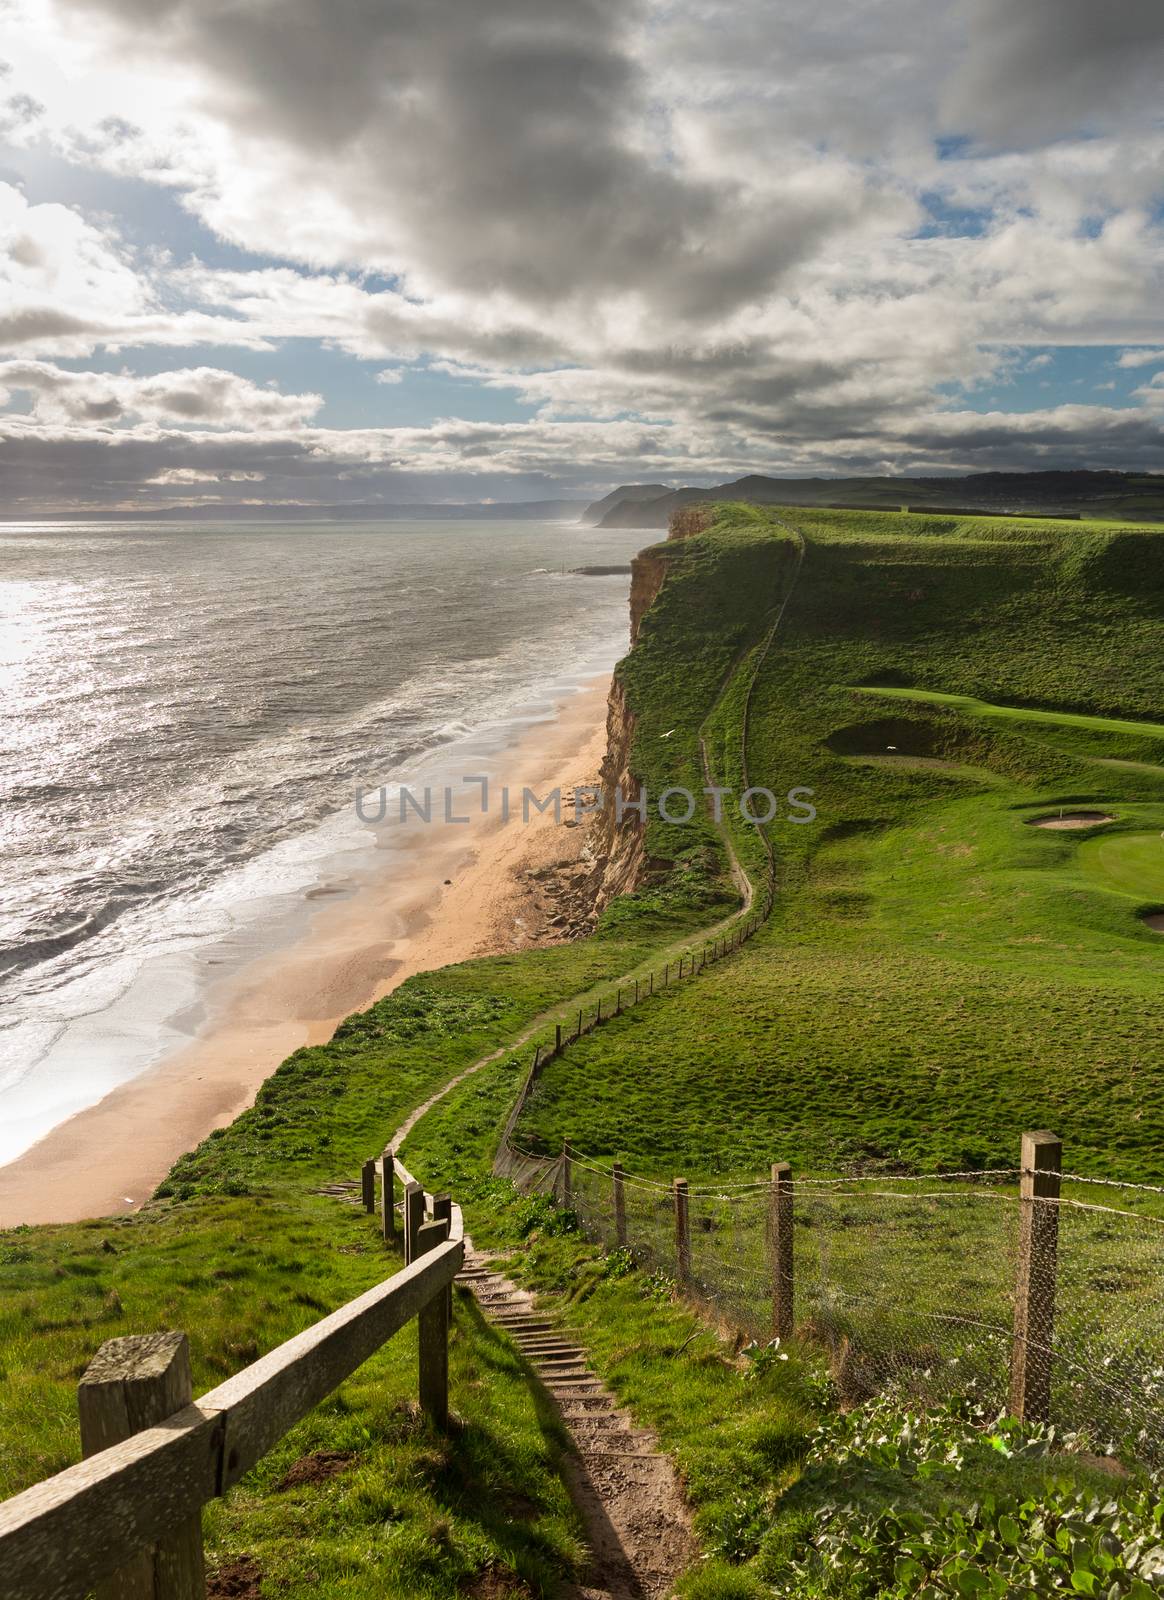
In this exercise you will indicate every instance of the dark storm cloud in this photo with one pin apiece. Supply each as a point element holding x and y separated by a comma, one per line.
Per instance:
<point>496,147</point>
<point>1039,69</point>
<point>693,237</point>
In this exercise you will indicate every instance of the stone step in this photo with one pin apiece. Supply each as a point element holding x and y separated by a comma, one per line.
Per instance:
<point>546,1342</point>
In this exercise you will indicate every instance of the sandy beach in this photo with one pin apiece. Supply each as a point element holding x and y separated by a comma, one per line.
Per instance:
<point>450,893</point>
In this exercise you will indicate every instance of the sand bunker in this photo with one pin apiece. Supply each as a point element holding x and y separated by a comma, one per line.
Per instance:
<point>1072,819</point>
<point>1155,921</point>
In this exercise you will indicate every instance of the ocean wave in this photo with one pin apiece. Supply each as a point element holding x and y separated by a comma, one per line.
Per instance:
<point>194,775</point>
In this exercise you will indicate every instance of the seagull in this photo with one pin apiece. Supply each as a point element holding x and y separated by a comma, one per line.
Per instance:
<point>668,733</point>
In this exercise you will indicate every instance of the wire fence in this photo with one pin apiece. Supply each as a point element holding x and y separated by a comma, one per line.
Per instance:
<point>989,1284</point>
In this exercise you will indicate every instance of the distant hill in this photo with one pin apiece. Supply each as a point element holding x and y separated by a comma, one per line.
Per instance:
<point>1135,496</point>
<point>430,511</point>
<point>630,493</point>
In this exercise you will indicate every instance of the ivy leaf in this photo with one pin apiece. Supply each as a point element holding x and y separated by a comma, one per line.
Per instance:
<point>1008,1530</point>
<point>972,1582</point>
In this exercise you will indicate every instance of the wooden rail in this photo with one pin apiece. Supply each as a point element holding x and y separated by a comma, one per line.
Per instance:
<point>124,1522</point>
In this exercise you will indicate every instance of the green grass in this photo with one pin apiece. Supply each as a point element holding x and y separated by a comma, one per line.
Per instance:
<point>788,1497</point>
<point>1062,719</point>
<point>406,1512</point>
<point>1130,863</point>
<point>937,975</point>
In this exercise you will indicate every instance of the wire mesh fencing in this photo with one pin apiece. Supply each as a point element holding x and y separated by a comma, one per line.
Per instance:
<point>989,1284</point>
<point>1108,1345</point>
<point>910,1286</point>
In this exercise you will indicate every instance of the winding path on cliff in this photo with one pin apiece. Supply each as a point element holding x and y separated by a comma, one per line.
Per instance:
<point>562,1010</point>
<point>739,875</point>
<point>626,1490</point>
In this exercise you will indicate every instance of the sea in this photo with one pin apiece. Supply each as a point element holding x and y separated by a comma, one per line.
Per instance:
<point>187,714</point>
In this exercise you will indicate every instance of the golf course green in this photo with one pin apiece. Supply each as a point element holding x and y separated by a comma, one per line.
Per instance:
<point>1129,863</point>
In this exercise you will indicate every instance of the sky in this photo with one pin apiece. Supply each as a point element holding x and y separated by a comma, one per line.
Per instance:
<point>323,252</point>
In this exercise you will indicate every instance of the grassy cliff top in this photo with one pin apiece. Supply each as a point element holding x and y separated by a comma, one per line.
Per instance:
<point>938,974</point>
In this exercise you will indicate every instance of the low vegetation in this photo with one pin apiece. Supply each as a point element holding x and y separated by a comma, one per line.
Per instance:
<point>936,976</point>
<point>791,1497</point>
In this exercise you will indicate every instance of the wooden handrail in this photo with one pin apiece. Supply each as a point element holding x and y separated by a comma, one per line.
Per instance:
<point>64,1535</point>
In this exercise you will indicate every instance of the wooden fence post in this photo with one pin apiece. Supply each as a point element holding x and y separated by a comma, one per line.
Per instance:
<point>579,1024</point>
<point>682,1232</point>
<point>387,1196</point>
<point>413,1218</point>
<point>636,991</point>
<point>1034,1301</point>
<point>368,1185</point>
<point>442,1210</point>
<point>132,1384</point>
<point>567,1177</point>
<point>433,1334</point>
<point>598,1014</point>
<point>652,983</point>
<point>618,1003</point>
<point>619,1204</point>
<point>780,1246</point>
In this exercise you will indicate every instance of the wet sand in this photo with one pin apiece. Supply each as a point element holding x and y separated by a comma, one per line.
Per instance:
<point>109,1159</point>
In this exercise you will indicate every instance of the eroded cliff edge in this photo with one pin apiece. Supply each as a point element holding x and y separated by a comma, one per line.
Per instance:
<point>569,896</point>
<point>617,844</point>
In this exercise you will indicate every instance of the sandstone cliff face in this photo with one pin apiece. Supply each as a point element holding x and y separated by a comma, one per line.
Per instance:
<point>646,580</point>
<point>619,852</point>
<point>566,897</point>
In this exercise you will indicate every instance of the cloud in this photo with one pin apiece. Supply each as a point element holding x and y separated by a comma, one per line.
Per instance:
<point>699,235</point>
<point>198,397</point>
<point>60,278</point>
<point>1141,358</point>
<point>148,464</point>
<point>1044,69</point>
<point>69,286</point>
<point>1152,393</point>
<point>515,149</point>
